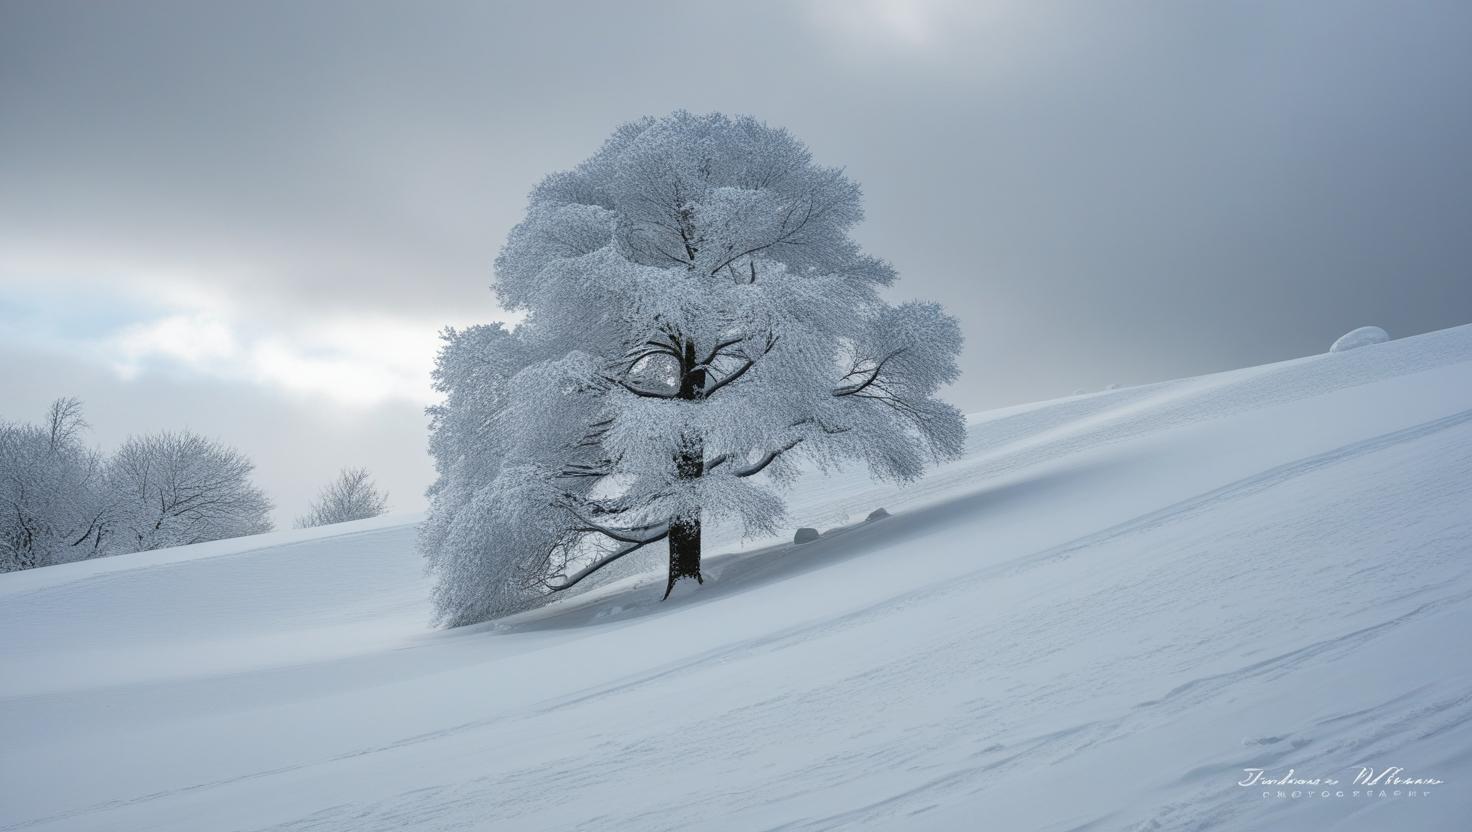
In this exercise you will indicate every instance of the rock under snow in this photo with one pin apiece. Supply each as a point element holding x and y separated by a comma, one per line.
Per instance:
<point>1362,337</point>
<point>876,514</point>
<point>805,535</point>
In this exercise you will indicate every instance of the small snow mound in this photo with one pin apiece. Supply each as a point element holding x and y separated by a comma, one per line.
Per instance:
<point>1362,337</point>
<point>876,514</point>
<point>805,535</point>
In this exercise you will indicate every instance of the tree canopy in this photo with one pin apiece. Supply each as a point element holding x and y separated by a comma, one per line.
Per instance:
<point>698,324</point>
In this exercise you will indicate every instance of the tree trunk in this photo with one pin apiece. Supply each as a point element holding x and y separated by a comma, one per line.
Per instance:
<point>684,538</point>
<point>684,542</point>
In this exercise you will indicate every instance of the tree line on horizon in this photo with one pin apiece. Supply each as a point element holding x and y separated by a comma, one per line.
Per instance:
<point>62,500</point>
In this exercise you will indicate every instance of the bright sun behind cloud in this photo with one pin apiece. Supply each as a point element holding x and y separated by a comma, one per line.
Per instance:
<point>906,24</point>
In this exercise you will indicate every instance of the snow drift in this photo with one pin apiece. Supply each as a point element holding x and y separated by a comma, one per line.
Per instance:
<point>1104,614</point>
<point>1362,337</point>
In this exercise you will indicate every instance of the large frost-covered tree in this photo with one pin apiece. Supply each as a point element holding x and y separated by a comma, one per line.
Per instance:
<point>696,315</point>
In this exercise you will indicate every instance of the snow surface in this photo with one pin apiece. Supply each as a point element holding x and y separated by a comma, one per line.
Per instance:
<point>1096,620</point>
<point>1362,337</point>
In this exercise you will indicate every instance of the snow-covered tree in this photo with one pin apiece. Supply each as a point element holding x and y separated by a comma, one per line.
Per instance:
<point>697,319</point>
<point>52,509</point>
<point>172,489</point>
<point>352,496</point>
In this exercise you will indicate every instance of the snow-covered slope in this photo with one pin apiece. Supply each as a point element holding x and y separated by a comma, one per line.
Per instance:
<point>1096,620</point>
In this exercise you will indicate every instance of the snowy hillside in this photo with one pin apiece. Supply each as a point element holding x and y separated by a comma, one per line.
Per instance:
<point>1098,619</point>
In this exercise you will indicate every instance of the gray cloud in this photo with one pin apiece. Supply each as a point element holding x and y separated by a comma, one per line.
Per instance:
<point>1102,194</point>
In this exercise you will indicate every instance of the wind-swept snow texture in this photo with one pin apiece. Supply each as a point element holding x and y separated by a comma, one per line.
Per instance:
<point>1103,614</point>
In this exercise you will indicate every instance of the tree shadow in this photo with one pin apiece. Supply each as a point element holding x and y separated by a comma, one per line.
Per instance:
<point>739,572</point>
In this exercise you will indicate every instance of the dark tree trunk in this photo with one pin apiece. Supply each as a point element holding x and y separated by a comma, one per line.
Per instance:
<point>684,544</point>
<point>684,539</point>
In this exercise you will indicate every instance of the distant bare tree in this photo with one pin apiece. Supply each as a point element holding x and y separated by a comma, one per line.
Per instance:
<point>64,422</point>
<point>352,496</point>
<point>172,489</point>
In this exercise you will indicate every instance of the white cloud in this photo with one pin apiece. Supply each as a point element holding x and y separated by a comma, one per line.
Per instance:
<point>195,340</point>
<point>355,361</point>
<point>175,323</point>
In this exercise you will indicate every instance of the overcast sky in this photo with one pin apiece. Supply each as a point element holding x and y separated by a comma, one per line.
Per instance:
<point>251,219</point>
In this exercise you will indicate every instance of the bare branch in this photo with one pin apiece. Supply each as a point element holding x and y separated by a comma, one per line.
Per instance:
<point>740,371</point>
<point>573,579</point>
<point>639,391</point>
<point>873,375</point>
